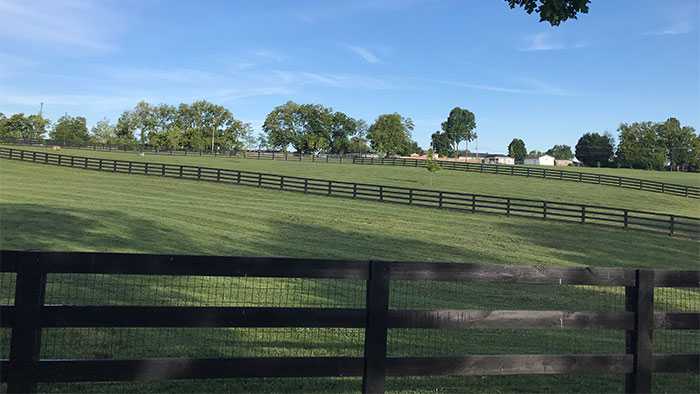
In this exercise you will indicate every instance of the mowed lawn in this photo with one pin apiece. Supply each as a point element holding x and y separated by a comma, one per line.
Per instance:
<point>52,208</point>
<point>677,177</point>
<point>491,184</point>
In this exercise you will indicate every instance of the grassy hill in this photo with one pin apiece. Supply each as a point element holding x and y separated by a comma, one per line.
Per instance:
<point>458,181</point>
<point>52,208</point>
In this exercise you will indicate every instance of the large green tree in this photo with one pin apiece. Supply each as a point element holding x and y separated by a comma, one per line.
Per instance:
<point>678,141</point>
<point>311,128</point>
<point>516,150</point>
<point>594,149</point>
<point>104,133</point>
<point>205,125</point>
<point>639,146</point>
<point>459,126</point>
<point>552,11</point>
<point>390,134</point>
<point>16,126</point>
<point>70,130</point>
<point>441,144</point>
<point>561,152</point>
<point>19,126</point>
<point>284,126</point>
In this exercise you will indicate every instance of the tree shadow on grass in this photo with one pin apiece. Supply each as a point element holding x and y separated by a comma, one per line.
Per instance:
<point>42,227</point>
<point>594,245</point>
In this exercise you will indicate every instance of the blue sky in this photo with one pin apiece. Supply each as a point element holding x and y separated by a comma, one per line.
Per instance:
<point>625,61</point>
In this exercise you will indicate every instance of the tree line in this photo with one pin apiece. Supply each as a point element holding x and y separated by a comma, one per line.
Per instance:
<point>201,125</point>
<point>642,145</point>
<point>314,129</point>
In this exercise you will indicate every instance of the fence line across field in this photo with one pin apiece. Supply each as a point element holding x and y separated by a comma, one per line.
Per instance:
<point>671,224</point>
<point>30,313</point>
<point>500,169</point>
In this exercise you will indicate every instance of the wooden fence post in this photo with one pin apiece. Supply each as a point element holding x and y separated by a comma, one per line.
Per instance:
<point>26,334</point>
<point>626,218</point>
<point>544,209</point>
<point>671,224</point>
<point>376,328</point>
<point>640,300</point>
<point>583,214</point>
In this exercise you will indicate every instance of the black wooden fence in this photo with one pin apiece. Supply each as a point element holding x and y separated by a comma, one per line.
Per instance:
<point>358,158</point>
<point>29,314</point>
<point>545,173</point>
<point>466,202</point>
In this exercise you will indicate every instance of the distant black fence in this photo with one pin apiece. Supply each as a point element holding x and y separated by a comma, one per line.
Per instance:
<point>361,158</point>
<point>545,173</point>
<point>671,224</point>
<point>339,158</point>
<point>29,314</point>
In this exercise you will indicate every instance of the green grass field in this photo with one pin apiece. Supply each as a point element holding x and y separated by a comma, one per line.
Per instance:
<point>502,185</point>
<point>52,208</point>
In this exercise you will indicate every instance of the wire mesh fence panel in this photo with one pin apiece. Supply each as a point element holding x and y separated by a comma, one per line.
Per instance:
<point>500,296</point>
<point>677,300</point>
<point>473,341</point>
<point>135,343</point>
<point>5,334</point>
<point>202,291</point>
<point>249,385</point>
<point>7,288</point>
<point>103,289</point>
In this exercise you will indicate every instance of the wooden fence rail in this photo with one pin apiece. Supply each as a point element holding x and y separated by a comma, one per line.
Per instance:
<point>545,173</point>
<point>684,226</point>
<point>357,158</point>
<point>29,314</point>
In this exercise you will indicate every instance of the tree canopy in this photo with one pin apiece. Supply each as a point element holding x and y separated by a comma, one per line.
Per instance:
<point>198,126</point>
<point>516,150</point>
<point>552,11</point>
<point>640,146</point>
<point>678,142</point>
<point>390,134</point>
<point>312,128</point>
<point>594,149</point>
<point>560,152</point>
<point>19,126</point>
<point>459,126</point>
<point>441,144</point>
<point>70,130</point>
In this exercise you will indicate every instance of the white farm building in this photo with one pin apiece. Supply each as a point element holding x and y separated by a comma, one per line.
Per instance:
<point>545,160</point>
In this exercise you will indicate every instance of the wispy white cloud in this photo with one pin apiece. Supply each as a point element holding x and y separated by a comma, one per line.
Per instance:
<point>79,24</point>
<point>175,75</point>
<point>542,42</point>
<point>527,86</point>
<point>342,81</point>
<point>269,55</point>
<point>364,53</point>
<point>677,27</point>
